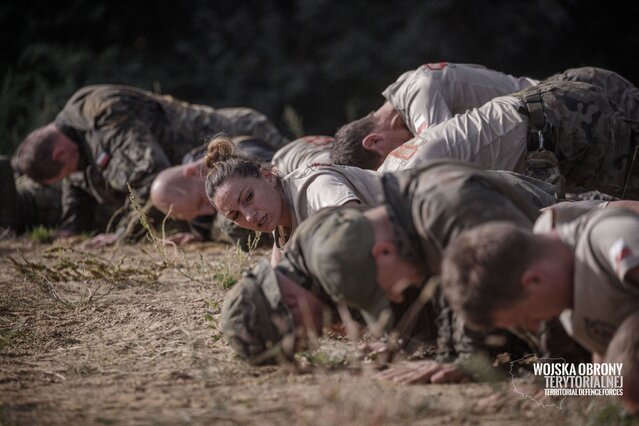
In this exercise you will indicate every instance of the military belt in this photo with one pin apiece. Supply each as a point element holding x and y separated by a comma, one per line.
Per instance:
<point>539,137</point>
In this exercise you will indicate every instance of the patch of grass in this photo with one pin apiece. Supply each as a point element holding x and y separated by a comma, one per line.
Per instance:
<point>83,266</point>
<point>234,262</point>
<point>41,234</point>
<point>7,337</point>
<point>226,273</point>
<point>159,241</point>
<point>213,308</point>
<point>66,264</point>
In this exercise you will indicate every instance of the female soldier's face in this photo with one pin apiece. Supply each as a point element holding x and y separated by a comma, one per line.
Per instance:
<point>254,203</point>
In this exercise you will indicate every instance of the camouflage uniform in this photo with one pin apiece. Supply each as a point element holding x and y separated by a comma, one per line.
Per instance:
<point>26,203</point>
<point>592,139</point>
<point>427,207</point>
<point>620,90</point>
<point>588,139</point>
<point>430,206</point>
<point>126,136</point>
<point>256,322</point>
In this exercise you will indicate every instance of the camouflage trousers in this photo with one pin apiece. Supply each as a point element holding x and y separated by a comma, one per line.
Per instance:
<point>591,138</point>
<point>618,89</point>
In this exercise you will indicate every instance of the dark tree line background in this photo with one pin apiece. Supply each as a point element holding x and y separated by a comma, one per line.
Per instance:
<point>321,61</point>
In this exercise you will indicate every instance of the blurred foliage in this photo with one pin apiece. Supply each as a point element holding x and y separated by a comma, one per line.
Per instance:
<point>327,60</point>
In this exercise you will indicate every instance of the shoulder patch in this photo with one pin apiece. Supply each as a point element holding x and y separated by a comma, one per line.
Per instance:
<point>102,160</point>
<point>621,257</point>
<point>421,124</point>
<point>436,66</point>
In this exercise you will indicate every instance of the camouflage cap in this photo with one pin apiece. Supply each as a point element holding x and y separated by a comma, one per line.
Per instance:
<point>255,320</point>
<point>339,254</point>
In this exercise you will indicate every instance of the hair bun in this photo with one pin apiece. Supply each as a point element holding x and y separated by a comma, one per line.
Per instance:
<point>220,148</point>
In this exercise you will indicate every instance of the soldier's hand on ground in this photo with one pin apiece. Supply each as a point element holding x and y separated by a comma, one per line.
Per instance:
<point>449,373</point>
<point>427,371</point>
<point>102,240</point>
<point>182,238</point>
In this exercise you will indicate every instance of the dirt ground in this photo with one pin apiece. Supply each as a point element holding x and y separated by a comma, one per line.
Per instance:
<point>129,335</point>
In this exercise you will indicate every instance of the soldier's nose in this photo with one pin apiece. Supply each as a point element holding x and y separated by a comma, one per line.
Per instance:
<point>251,217</point>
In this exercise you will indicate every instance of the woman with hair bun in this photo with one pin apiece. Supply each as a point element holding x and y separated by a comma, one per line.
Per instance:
<point>255,197</point>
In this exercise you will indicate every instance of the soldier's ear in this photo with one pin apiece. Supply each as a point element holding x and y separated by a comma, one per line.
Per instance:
<point>383,248</point>
<point>191,169</point>
<point>59,151</point>
<point>269,175</point>
<point>531,279</point>
<point>372,141</point>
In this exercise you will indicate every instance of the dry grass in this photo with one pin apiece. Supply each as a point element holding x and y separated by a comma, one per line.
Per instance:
<point>146,349</point>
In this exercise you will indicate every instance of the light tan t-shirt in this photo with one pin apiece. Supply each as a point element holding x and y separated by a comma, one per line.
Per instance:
<point>433,93</point>
<point>493,137</point>
<point>302,152</point>
<point>567,211</point>
<point>606,247</point>
<point>311,188</point>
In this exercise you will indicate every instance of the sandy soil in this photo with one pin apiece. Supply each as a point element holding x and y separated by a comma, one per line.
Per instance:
<point>130,336</point>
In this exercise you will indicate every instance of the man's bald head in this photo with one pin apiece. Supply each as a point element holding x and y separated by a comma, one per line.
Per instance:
<point>179,191</point>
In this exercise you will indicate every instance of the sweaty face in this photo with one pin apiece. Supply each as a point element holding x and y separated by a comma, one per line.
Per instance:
<point>252,203</point>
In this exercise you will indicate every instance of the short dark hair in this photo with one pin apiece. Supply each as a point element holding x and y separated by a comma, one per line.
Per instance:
<point>483,267</point>
<point>348,149</point>
<point>34,156</point>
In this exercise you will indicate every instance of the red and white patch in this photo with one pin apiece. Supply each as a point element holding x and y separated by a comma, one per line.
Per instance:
<point>421,124</point>
<point>436,66</point>
<point>404,152</point>
<point>103,159</point>
<point>621,257</point>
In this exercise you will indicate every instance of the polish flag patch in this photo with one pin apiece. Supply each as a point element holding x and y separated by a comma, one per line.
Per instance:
<point>621,257</point>
<point>421,124</point>
<point>103,159</point>
<point>436,66</point>
<point>405,151</point>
